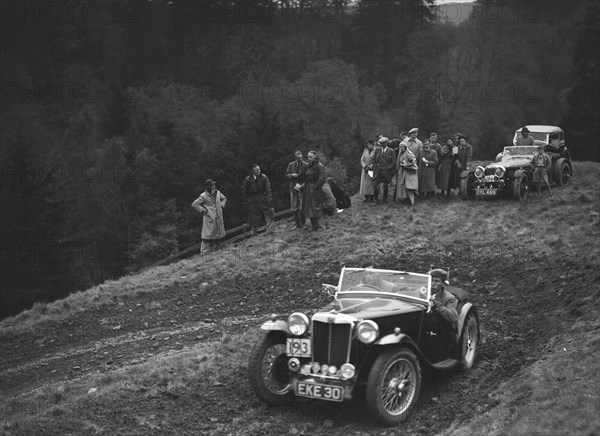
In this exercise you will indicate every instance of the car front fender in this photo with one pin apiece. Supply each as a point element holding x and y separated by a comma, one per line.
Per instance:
<point>277,325</point>
<point>517,174</point>
<point>394,338</point>
<point>463,315</point>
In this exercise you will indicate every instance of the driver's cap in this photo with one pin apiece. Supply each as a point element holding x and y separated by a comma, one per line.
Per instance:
<point>439,273</point>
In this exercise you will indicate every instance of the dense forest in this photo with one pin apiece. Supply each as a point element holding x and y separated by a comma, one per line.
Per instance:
<point>114,112</point>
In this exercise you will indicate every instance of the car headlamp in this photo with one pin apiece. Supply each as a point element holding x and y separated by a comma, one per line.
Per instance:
<point>479,172</point>
<point>297,324</point>
<point>367,331</point>
<point>500,172</point>
<point>347,371</point>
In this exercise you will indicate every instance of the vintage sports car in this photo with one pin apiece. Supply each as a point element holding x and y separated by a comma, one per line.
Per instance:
<point>511,174</point>
<point>371,341</point>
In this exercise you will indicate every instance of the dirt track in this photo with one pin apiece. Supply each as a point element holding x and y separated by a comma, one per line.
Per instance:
<point>521,306</point>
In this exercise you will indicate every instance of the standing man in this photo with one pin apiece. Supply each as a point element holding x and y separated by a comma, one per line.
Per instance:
<point>437,147</point>
<point>384,168</point>
<point>412,142</point>
<point>312,198</point>
<point>541,165</point>
<point>525,139</point>
<point>210,204</point>
<point>256,196</point>
<point>293,172</point>
<point>462,160</point>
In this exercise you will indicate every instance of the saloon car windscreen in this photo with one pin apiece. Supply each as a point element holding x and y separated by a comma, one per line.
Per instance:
<point>375,280</point>
<point>535,135</point>
<point>520,151</point>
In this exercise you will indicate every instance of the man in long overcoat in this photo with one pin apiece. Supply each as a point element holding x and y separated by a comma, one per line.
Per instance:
<point>210,204</point>
<point>256,196</point>
<point>384,168</point>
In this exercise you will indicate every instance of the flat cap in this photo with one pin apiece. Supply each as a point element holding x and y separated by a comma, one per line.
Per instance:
<point>413,130</point>
<point>439,273</point>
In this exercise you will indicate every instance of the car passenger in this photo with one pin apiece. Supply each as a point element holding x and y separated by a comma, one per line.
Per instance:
<point>374,278</point>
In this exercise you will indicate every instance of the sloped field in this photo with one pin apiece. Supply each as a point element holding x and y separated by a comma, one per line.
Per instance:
<point>165,351</point>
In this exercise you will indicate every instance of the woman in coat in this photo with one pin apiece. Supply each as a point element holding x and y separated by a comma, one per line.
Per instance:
<point>210,204</point>
<point>407,179</point>
<point>366,181</point>
<point>427,160</point>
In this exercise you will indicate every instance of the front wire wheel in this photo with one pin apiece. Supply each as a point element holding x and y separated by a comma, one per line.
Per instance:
<point>268,372</point>
<point>393,386</point>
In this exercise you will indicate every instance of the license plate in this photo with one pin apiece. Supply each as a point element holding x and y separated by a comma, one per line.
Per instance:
<point>486,191</point>
<point>319,391</point>
<point>297,347</point>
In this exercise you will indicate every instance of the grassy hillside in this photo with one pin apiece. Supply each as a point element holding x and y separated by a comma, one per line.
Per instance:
<point>165,351</point>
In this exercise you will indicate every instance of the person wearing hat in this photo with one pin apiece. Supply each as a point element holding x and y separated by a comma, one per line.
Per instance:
<point>525,139</point>
<point>294,169</point>
<point>313,195</point>
<point>366,179</point>
<point>443,302</point>
<point>442,320</point>
<point>445,167</point>
<point>384,168</point>
<point>210,204</point>
<point>407,180</point>
<point>541,165</point>
<point>427,159</point>
<point>256,196</point>
<point>462,159</point>
<point>412,142</point>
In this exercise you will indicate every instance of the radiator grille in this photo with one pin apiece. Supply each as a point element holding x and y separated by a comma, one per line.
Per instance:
<point>331,342</point>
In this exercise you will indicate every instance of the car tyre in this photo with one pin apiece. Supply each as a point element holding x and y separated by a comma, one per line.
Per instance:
<point>393,386</point>
<point>469,341</point>
<point>466,189</point>
<point>268,371</point>
<point>521,187</point>
<point>562,172</point>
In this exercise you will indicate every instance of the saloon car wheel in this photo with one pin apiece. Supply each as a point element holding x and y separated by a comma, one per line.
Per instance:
<point>521,187</point>
<point>267,370</point>
<point>393,386</point>
<point>562,172</point>
<point>466,187</point>
<point>469,340</point>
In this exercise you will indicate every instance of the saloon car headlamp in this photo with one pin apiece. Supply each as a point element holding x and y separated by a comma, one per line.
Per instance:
<point>347,371</point>
<point>297,324</point>
<point>367,331</point>
<point>479,172</point>
<point>500,172</point>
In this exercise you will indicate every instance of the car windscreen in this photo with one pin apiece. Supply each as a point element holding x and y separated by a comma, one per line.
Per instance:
<point>411,285</point>
<point>542,137</point>
<point>520,151</point>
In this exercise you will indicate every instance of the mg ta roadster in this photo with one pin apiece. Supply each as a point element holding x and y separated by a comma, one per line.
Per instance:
<point>371,341</point>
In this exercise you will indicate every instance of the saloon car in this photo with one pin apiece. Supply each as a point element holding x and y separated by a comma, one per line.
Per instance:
<point>511,174</point>
<point>370,341</point>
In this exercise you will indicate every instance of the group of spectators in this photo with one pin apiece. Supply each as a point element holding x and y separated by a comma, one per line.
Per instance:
<point>420,168</point>
<point>312,194</point>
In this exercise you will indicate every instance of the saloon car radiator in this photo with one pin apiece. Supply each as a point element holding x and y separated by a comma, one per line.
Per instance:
<point>331,342</point>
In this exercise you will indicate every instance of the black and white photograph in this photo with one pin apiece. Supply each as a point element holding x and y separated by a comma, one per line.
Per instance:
<point>300,217</point>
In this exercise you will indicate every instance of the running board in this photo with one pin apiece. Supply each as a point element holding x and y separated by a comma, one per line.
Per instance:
<point>445,364</point>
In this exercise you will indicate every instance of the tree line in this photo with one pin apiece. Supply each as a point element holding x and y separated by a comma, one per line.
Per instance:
<point>114,113</point>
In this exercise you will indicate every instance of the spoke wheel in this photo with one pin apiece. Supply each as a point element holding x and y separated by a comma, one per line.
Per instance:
<point>521,187</point>
<point>267,370</point>
<point>469,342</point>
<point>393,386</point>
